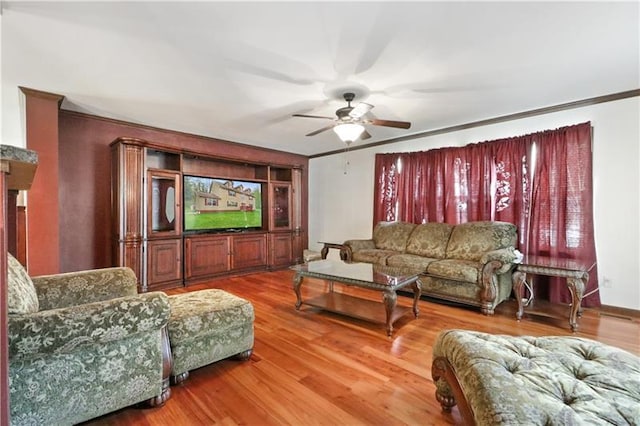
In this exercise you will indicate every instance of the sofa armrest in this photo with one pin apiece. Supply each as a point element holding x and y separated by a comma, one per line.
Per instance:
<point>64,330</point>
<point>356,245</point>
<point>506,257</point>
<point>75,288</point>
<point>351,246</point>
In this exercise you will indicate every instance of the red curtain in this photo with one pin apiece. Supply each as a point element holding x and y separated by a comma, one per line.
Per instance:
<point>441,186</point>
<point>491,181</point>
<point>562,200</point>
<point>393,185</point>
<point>512,199</point>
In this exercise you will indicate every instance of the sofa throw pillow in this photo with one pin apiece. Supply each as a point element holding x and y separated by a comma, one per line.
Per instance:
<point>392,235</point>
<point>23,298</point>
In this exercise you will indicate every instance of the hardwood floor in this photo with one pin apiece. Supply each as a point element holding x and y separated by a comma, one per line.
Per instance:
<point>315,368</point>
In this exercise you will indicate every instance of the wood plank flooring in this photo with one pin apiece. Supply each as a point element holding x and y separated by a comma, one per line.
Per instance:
<point>311,367</point>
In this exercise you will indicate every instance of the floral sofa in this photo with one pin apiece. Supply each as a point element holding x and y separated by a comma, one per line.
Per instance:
<point>470,263</point>
<point>83,344</point>
<point>523,380</point>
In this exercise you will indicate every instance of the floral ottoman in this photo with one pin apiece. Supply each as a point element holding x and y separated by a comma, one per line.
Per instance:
<point>207,326</point>
<point>553,380</point>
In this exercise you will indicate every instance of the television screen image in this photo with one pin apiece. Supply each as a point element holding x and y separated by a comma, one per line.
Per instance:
<point>221,204</point>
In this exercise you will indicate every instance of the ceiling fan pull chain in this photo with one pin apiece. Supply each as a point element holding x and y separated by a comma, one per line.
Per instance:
<point>346,158</point>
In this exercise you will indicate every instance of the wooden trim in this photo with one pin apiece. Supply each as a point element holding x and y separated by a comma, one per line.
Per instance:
<point>42,133</point>
<point>623,313</point>
<point>21,235</point>
<point>494,120</point>
<point>4,297</point>
<point>442,369</point>
<point>43,95</point>
<point>170,146</point>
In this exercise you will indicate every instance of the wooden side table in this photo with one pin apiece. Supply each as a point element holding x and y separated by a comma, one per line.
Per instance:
<point>330,245</point>
<point>576,273</point>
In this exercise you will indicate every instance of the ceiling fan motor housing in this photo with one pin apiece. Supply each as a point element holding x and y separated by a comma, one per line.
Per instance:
<point>343,113</point>
<point>349,97</point>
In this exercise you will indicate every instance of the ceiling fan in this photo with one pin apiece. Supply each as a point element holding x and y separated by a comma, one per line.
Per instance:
<point>349,121</point>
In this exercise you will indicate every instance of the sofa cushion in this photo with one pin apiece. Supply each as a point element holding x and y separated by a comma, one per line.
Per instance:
<point>202,312</point>
<point>455,269</point>
<point>392,235</point>
<point>375,256</point>
<point>410,261</point>
<point>469,241</point>
<point>206,326</point>
<point>430,240</point>
<point>22,296</point>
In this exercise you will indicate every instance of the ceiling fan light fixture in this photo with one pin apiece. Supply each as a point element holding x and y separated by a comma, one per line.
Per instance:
<point>348,132</point>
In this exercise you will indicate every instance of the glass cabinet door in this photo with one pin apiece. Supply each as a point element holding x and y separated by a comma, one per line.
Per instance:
<point>163,203</point>
<point>280,206</point>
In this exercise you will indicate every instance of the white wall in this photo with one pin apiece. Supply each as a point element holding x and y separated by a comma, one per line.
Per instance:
<point>341,205</point>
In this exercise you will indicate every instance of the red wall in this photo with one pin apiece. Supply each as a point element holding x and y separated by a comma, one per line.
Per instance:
<point>84,179</point>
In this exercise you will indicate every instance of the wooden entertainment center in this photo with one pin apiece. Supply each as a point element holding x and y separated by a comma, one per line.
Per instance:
<point>148,216</point>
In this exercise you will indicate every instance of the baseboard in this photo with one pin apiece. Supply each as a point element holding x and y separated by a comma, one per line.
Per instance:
<point>623,313</point>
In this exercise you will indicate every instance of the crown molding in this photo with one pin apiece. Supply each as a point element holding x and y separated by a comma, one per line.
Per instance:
<point>510,117</point>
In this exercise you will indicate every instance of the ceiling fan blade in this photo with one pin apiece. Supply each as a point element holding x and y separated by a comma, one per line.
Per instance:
<point>320,130</point>
<point>390,123</point>
<point>312,116</point>
<point>360,110</point>
<point>365,135</point>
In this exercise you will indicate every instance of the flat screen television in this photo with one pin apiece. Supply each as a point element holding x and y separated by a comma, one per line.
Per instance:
<point>212,204</point>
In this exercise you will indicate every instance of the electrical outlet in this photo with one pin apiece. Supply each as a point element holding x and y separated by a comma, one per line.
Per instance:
<point>606,283</point>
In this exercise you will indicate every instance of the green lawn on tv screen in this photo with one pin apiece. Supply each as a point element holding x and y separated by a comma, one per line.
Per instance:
<point>223,220</point>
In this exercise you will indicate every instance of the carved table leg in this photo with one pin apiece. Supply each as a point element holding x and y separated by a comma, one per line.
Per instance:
<point>518,279</point>
<point>576,288</point>
<point>297,282</point>
<point>344,255</point>
<point>417,292</point>
<point>324,251</point>
<point>389,298</point>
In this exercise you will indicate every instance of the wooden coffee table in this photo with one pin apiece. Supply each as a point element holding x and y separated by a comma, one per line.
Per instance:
<point>363,275</point>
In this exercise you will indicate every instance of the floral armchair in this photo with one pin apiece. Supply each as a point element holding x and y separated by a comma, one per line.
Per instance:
<point>82,344</point>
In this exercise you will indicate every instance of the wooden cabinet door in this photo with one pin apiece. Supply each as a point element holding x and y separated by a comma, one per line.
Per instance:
<point>280,249</point>
<point>164,262</point>
<point>280,200</point>
<point>207,255</point>
<point>164,211</point>
<point>249,251</point>
<point>299,229</point>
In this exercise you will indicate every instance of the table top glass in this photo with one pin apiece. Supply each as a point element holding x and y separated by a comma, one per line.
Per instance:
<point>365,273</point>
<point>557,263</point>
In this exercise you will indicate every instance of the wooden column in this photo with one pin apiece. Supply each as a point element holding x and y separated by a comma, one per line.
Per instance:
<point>17,167</point>
<point>4,332</point>
<point>43,225</point>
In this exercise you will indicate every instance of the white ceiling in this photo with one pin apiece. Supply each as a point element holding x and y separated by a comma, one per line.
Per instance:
<point>238,70</point>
